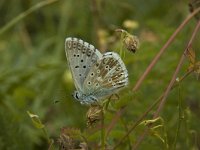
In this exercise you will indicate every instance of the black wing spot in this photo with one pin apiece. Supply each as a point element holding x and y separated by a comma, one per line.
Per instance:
<point>81,60</point>
<point>84,66</point>
<point>76,66</point>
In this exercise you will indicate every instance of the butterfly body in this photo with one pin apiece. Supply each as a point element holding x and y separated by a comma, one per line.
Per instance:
<point>83,98</point>
<point>96,76</point>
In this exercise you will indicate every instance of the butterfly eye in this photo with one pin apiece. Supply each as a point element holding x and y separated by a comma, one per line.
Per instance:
<point>76,95</point>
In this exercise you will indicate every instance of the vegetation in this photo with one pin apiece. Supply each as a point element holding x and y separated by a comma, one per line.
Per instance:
<point>159,109</point>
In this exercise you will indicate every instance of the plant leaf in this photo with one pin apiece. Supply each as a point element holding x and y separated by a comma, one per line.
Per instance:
<point>36,120</point>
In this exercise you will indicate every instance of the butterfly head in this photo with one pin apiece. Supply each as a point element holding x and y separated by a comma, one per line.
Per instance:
<point>84,99</point>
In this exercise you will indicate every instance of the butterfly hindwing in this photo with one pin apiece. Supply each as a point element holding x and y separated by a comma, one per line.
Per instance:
<point>106,76</point>
<point>81,56</point>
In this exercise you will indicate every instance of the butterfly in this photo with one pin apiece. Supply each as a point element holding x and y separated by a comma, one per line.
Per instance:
<point>96,76</point>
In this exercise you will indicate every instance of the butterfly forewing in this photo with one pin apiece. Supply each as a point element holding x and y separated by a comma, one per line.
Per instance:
<point>106,76</point>
<point>81,56</point>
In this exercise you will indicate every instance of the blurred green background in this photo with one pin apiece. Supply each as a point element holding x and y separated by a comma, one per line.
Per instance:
<point>34,74</point>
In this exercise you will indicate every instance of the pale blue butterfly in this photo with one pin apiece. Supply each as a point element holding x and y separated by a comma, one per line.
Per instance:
<point>96,76</point>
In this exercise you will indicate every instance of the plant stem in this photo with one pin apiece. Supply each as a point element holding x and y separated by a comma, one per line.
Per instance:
<point>96,11</point>
<point>126,128</point>
<point>156,58</point>
<point>102,130</point>
<point>147,111</point>
<point>179,116</point>
<point>162,102</point>
<point>25,14</point>
<point>176,71</point>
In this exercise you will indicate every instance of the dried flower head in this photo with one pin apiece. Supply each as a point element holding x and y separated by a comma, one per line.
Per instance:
<point>194,65</point>
<point>93,115</point>
<point>70,139</point>
<point>131,42</point>
<point>193,5</point>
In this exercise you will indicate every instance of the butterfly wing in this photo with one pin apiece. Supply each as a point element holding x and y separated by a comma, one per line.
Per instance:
<point>106,77</point>
<point>81,56</point>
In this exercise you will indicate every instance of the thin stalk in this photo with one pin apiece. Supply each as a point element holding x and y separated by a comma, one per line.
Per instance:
<point>50,141</point>
<point>156,58</point>
<point>163,100</point>
<point>102,130</point>
<point>148,110</point>
<point>95,11</point>
<point>176,71</point>
<point>126,128</point>
<point>114,120</point>
<point>25,14</point>
<point>136,123</point>
<point>180,117</point>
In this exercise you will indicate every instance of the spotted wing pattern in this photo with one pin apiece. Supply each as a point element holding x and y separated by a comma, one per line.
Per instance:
<point>81,56</point>
<point>106,76</point>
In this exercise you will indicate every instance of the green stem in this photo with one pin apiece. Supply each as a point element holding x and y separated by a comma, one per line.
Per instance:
<point>121,44</point>
<point>102,130</point>
<point>126,128</point>
<point>179,121</point>
<point>50,141</point>
<point>25,14</point>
